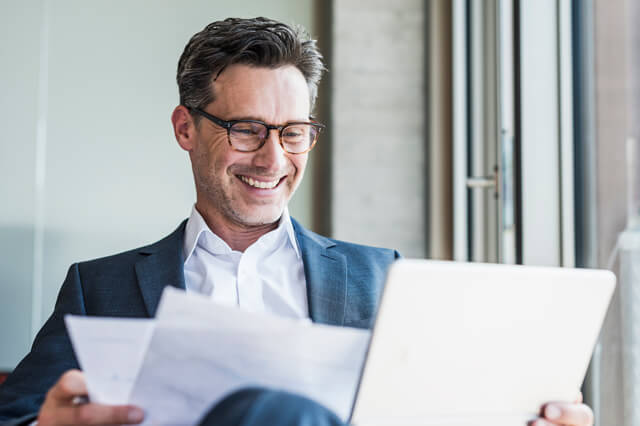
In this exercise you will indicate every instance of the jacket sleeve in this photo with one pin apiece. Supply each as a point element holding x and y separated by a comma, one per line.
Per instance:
<point>51,355</point>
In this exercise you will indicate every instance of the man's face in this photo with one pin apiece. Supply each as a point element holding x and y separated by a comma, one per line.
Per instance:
<point>249,189</point>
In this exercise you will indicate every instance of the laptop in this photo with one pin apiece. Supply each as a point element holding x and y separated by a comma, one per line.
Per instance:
<point>472,344</point>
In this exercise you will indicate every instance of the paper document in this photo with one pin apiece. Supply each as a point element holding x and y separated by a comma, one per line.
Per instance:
<point>198,352</point>
<point>110,352</point>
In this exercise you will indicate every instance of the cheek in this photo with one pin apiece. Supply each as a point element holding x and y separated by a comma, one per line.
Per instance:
<point>299,165</point>
<point>217,159</point>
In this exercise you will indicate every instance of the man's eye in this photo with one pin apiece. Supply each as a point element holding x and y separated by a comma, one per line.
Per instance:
<point>243,131</point>
<point>246,130</point>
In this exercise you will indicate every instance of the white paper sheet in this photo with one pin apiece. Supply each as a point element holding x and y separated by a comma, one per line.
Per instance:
<point>201,351</point>
<point>110,352</point>
<point>196,352</point>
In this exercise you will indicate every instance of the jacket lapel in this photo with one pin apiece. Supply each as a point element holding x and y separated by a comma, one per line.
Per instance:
<point>161,266</point>
<point>326,275</point>
<point>325,272</point>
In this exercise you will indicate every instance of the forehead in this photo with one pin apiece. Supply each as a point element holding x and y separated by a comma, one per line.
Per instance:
<point>275,95</point>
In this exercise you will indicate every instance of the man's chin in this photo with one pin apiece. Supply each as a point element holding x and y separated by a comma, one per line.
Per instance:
<point>252,219</point>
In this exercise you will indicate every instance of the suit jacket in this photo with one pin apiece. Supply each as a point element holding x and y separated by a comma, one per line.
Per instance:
<point>344,283</point>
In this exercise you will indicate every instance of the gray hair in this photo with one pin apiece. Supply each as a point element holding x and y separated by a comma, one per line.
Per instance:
<point>256,42</point>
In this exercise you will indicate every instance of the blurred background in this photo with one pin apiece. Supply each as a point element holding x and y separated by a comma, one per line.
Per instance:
<point>496,131</point>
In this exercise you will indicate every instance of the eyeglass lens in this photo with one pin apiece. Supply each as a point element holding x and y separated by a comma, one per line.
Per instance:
<point>248,136</point>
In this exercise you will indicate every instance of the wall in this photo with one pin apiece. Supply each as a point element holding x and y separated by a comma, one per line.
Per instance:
<point>379,131</point>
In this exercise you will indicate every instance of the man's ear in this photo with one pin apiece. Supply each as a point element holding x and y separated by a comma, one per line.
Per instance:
<point>184,128</point>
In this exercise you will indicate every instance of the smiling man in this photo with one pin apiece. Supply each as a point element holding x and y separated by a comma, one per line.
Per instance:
<point>247,88</point>
<point>245,169</point>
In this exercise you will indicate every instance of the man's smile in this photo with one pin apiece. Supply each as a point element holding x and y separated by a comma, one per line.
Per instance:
<point>261,184</point>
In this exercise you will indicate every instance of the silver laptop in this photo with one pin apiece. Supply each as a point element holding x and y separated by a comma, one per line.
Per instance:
<point>473,344</point>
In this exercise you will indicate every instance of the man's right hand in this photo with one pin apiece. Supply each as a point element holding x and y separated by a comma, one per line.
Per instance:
<point>61,408</point>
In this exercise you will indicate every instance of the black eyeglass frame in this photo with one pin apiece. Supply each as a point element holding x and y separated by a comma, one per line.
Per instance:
<point>228,124</point>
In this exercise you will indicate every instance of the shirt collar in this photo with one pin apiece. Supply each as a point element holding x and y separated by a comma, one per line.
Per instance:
<point>196,226</point>
<point>285,221</point>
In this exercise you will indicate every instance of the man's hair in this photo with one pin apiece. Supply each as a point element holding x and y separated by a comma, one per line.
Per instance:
<point>259,42</point>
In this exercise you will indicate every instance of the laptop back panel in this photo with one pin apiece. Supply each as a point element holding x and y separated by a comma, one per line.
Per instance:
<point>455,341</point>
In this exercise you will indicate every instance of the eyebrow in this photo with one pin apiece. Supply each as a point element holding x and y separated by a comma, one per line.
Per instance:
<point>254,118</point>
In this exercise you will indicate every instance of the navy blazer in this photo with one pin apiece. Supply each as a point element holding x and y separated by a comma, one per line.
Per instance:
<point>344,283</point>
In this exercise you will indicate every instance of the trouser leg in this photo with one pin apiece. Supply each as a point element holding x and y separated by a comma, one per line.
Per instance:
<point>264,407</point>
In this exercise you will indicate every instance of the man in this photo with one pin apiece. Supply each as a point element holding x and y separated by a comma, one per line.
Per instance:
<point>247,88</point>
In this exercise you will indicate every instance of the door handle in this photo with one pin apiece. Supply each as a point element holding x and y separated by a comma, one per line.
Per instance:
<point>482,182</point>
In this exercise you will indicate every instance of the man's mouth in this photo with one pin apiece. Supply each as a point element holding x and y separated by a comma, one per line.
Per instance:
<point>260,184</point>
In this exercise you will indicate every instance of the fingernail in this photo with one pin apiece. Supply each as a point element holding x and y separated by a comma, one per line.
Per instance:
<point>552,412</point>
<point>135,415</point>
<point>76,385</point>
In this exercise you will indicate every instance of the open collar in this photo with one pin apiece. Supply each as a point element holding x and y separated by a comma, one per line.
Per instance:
<point>325,269</point>
<point>196,226</point>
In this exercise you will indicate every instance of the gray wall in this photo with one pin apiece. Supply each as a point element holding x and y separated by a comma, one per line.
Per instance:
<point>612,84</point>
<point>378,124</point>
<point>104,174</point>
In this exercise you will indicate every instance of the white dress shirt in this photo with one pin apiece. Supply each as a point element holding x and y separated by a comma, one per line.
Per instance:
<point>267,277</point>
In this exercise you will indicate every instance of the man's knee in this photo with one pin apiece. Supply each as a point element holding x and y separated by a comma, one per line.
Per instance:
<point>258,406</point>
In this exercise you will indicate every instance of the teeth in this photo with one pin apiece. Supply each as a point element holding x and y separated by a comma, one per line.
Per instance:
<point>259,184</point>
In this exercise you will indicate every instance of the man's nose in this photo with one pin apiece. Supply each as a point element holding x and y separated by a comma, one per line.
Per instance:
<point>271,156</point>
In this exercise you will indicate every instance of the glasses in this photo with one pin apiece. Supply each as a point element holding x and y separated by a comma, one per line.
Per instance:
<point>251,135</point>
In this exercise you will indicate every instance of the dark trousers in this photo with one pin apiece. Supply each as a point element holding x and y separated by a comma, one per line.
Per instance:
<point>264,407</point>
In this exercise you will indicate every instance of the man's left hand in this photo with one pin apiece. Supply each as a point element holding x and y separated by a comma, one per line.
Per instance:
<point>564,413</point>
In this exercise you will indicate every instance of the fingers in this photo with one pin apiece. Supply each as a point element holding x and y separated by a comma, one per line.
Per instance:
<point>562,413</point>
<point>59,407</point>
<point>70,385</point>
<point>98,414</point>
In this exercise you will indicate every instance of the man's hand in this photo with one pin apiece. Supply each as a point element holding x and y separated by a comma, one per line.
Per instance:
<point>565,413</point>
<point>61,407</point>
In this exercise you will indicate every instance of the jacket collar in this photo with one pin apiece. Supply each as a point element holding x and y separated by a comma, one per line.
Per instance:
<point>326,275</point>
<point>162,265</point>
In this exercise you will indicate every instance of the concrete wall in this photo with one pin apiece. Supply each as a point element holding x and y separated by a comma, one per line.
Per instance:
<point>378,131</point>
